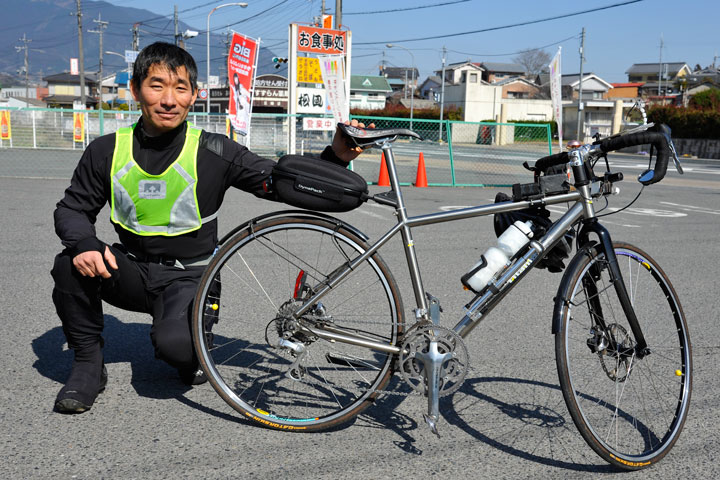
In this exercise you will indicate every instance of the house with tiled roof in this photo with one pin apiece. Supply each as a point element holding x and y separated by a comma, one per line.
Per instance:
<point>496,71</point>
<point>368,92</point>
<point>64,90</point>
<point>659,79</point>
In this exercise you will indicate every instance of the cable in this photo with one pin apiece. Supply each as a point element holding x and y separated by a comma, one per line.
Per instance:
<point>405,9</point>
<point>529,22</point>
<point>513,53</point>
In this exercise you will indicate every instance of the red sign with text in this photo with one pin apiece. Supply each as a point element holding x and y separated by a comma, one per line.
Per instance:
<point>241,72</point>
<point>321,40</point>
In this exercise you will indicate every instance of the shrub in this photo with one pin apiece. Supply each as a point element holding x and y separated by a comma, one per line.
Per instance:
<point>399,111</point>
<point>687,122</point>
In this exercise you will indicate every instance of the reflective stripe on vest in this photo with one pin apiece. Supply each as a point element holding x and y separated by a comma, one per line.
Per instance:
<point>164,204</point>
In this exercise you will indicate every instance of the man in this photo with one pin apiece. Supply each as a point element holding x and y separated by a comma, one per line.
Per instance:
<point>164,181</point>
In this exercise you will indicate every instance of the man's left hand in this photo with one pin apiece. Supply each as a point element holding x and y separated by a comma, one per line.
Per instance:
<point>340,143</point>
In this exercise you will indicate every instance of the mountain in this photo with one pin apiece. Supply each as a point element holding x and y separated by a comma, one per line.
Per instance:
<point>51,26</point>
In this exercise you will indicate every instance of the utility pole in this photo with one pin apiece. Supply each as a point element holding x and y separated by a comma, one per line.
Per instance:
<point>338,14</point>
<point>580,102</point>
<point>26,67</point>
<point>81,56</point>
<point>660,66</point>
<point>175,17</point>
<point>136,37</point>
<point>101,26</point>
<point>442,93</point>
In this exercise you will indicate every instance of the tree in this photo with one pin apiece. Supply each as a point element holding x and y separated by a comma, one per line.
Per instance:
<point>533,59</point>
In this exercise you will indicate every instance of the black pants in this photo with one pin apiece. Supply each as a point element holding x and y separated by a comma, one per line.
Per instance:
<point>162,291</point>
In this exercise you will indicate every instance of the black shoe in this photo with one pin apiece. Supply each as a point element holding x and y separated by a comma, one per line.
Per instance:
<point>192,376</point>
<point>81,389</point>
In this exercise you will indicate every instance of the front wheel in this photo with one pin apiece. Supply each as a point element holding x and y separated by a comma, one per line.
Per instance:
<point>275,368</point>
<point>629,408</point>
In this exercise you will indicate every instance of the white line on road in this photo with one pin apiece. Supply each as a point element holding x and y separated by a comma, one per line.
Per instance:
<point>691,208</point>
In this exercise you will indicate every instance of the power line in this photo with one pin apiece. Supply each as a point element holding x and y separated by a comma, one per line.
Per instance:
<point>406,9</point>
<point>513,53</point>
<point>529,22</point>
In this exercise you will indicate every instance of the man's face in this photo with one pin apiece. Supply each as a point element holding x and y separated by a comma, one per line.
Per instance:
<point>165,98</point>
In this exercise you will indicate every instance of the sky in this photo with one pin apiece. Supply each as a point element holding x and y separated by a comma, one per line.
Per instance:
<point>615,36</point>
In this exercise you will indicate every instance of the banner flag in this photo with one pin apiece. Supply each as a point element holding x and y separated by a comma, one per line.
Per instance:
<point>79,127</point>
<point>333,71</point>
<point>5,125</point>
<point>556,94</point>
<point>241,73</point>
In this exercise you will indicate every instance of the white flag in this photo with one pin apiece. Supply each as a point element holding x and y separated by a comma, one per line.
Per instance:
<point>333,73</point>
<point>556,94</point>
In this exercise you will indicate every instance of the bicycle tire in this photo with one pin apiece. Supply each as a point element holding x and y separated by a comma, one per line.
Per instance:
<point>630,410</point>
<point>254,274</point>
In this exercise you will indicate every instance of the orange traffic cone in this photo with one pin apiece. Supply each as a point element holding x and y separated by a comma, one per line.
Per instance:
<point>383,178</point>
<point>421,178</point>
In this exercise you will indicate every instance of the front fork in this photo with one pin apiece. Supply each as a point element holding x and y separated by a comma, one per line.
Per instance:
<point>641,348</point>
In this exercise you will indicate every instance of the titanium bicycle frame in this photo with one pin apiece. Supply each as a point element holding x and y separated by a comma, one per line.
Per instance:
<point>428,309</point>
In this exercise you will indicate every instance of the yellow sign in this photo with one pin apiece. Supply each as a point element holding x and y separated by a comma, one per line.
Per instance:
<point>5,127</point>
<point>308,70</point>
<point>79,127</point>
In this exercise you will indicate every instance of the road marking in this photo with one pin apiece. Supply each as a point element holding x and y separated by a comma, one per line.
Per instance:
<point>651,212</point>
<point>691,208</point>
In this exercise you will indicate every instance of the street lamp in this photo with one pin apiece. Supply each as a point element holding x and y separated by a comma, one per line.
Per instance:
<point>243,5</point>
<point>412,86</point>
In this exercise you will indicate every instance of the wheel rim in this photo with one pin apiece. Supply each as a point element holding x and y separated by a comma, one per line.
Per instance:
<point>633,407</point>
<point>259,276</point>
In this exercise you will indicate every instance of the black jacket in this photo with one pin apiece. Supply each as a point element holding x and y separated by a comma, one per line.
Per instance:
<point>89,190</point>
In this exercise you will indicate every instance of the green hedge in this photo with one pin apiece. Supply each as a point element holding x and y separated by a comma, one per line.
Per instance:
<point>686,122</point>
<point>398,111</point>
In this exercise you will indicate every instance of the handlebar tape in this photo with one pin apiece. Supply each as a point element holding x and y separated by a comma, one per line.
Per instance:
<point>656,139</point>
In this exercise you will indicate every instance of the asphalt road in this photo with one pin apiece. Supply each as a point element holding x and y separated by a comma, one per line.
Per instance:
<point>507,421</point>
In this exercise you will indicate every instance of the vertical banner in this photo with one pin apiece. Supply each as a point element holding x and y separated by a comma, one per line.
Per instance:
<point>79,127</point>
<point>5,125</point>
<point>241,72</point>
<point>556,94</point>
<point>333,72</point>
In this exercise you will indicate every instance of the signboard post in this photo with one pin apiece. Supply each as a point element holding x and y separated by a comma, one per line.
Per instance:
<point>313,42</point>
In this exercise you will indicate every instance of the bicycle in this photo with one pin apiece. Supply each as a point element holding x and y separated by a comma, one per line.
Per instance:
<point>299,324</point>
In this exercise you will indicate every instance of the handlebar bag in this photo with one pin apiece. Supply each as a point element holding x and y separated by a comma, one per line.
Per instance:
<point>316,184</point>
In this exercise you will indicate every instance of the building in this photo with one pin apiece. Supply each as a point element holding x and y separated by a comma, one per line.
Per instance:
<point>518,87</point>
<point>496,72</point>
<point>400,78</point>
<point>368,92</point>
<point>462,72</point>
<point>431,88</point>
<point>625,90</point>
<point>593,87</point>
<point>64,90</point>
<point>659,80</point>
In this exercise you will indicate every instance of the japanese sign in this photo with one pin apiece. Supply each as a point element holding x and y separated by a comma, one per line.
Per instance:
<point>270,91</point>
<point>5,125</point>
<point>312,100</point>
<point>318,124</point>
<point>333,70</point>
<point>241,72</point>
<point>320,40</point>
<point>555,94</point>
<point>308,70</point>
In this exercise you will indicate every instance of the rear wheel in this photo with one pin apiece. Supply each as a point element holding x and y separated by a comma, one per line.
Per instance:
<point>268,365</point>
<point>630,409</point>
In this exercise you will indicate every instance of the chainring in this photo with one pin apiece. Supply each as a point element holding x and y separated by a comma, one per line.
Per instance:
<point>453,369</point>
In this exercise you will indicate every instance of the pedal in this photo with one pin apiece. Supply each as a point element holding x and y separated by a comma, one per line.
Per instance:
<point>432,423</point>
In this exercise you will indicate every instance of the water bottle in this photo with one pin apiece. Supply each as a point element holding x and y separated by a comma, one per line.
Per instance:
<point>496,258</point>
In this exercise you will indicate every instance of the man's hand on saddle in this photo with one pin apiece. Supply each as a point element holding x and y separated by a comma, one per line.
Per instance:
<point>342,146</point>
<point>91,264</point>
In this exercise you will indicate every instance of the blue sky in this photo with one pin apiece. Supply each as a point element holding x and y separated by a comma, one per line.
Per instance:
<point>615,37</point>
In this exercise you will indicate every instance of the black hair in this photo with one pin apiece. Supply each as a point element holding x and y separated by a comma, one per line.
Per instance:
<point>167,55</point>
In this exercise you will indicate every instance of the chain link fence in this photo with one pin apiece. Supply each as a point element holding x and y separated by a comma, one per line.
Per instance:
<point>47,143</point>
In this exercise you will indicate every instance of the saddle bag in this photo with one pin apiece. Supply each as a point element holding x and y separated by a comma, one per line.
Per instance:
<point>317,184</point>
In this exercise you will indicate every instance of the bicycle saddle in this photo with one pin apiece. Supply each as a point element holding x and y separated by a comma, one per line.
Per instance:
<point>361,137</point>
